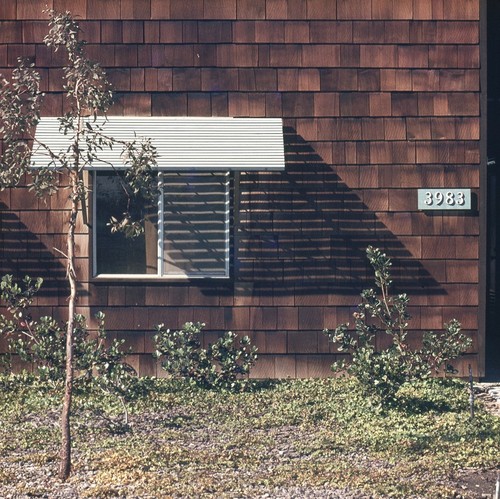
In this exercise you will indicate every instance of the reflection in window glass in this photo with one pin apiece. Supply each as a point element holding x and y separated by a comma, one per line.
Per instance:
<point>117,254</point>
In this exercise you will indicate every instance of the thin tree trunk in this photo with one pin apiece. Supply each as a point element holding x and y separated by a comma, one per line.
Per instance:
<point>65,463</point>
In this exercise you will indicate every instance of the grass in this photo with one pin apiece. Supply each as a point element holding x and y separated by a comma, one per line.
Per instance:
<point>312,436</point>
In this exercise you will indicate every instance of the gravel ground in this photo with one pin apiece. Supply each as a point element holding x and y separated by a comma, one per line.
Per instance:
<point>489,393</point>
<point>40,480</point>
<point>469,484</point>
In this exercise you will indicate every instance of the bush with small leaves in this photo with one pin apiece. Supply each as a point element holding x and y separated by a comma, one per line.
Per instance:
<point>180,352</point>
<point>383,372</point>
<point>233,359</point>
<point>42,342</point>
<point>222,365</point>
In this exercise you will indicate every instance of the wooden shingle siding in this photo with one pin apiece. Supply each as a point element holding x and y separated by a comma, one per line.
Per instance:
<point>378,99</point>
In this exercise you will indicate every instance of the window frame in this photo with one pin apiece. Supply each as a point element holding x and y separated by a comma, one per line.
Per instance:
<point>160,275</point>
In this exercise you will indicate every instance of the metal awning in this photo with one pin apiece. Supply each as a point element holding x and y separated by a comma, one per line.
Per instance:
<point>182,143</point>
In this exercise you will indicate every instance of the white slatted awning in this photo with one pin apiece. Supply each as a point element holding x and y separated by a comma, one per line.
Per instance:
<point>182,143</point>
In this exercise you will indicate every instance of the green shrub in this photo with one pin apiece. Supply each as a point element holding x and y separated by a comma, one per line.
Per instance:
<point>43,342</point>
<point>221,365</point>
<point>383,372</point>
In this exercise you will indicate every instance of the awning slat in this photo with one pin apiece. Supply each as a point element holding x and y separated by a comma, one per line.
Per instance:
<point>183,143</point>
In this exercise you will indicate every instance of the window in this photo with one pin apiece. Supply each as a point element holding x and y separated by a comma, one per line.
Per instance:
<point>187,229</point>
<point>186,232</point>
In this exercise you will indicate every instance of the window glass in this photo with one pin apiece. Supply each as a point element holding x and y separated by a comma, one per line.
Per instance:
<point>115,253</point>
<point>195,223</point>
<point>191,238</point>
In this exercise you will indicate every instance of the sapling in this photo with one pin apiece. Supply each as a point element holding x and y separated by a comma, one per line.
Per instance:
<point>88,97</point>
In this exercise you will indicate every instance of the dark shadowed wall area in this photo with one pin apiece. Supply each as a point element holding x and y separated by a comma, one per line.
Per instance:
<point>378,98</point>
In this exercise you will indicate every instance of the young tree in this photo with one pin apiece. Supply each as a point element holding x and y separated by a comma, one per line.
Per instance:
<point>88,98</point>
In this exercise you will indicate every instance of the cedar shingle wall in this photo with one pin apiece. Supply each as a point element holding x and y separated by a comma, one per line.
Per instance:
<point>378,97</point>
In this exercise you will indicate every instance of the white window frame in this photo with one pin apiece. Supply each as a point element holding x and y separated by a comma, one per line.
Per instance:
<point>160,238</point>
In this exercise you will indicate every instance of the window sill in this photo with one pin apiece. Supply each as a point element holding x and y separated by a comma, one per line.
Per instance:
<point>134,278</point>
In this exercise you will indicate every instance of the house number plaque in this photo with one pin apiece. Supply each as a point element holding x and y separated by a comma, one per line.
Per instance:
<point>444,199</point>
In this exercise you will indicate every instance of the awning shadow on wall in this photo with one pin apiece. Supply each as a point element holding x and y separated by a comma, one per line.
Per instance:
<point>22,253</point>
<point>305,231</point>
